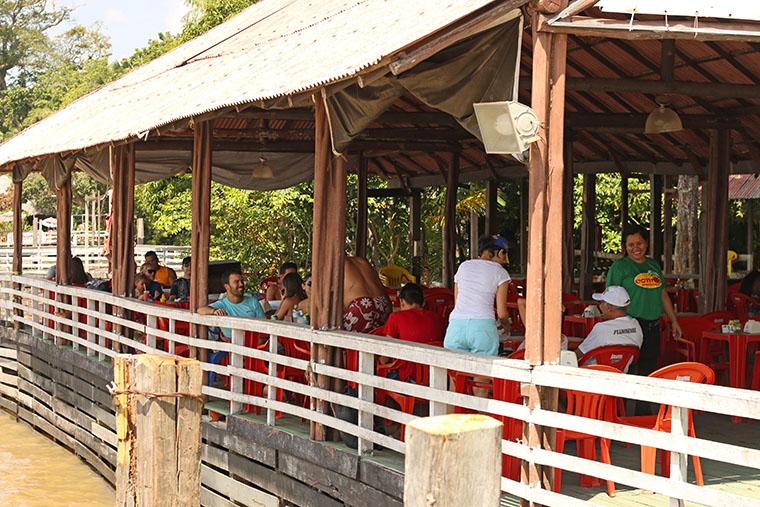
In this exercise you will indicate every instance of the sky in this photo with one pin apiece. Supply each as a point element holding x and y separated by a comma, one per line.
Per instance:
<point>129,23</point>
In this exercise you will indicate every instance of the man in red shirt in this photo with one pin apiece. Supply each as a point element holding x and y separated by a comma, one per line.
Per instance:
<point>413,323</point>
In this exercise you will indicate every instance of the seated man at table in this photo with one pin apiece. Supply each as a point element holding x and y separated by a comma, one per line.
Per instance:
<point>164,275</point>
<point>365,303</point>
<point>617,328</point>
<point>236,302</point>
<point>412,323</point>
<point>274,291</point>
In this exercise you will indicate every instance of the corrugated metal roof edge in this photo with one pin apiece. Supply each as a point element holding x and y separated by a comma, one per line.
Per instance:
<point>363,68</point>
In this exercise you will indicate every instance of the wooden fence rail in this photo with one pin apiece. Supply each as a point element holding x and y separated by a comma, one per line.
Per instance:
<point>79,316</point>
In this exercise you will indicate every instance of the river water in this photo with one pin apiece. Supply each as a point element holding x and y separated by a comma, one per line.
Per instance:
<point>37,472</point>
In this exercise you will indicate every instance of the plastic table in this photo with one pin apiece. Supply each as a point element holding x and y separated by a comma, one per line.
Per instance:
<point>737,353</point>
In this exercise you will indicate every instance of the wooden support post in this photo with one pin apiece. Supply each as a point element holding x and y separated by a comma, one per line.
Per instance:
<point>750,235</point>
<point>328,250</point>
<point>473,234</point>
<point>568,205</point>
<point>201,226</point>
<point>453,460</point>
<point>449,222</point>
<point>158,426</point>
<point>624,199</point>
<point>524,195</point>
<point>588,227</point>
<point>543,326</point>
<point>122,244</point>
<point>18,229</point>
<point>415,234</point>
<point>63,232</point>
<point>667,230</point>
<point>92,322</point>
<point>362,210</point>
<point>655,218</point>
<point>439,379</point>
<point>713,288</point>
<point>18,243</point>
<point>492,194</point>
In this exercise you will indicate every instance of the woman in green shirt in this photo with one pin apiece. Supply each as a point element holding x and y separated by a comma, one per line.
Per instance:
<point>645,283</point>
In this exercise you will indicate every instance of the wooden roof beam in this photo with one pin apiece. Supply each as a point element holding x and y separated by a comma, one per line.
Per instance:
<point>688,88</point>
<point>655,29</point>
<point>627,122</point>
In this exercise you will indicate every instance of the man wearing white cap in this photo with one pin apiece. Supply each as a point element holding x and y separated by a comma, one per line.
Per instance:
<point>617,328</point>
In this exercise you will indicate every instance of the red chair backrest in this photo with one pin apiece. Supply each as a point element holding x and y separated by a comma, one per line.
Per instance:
<point>440,303</point>
<point>692,327</point>
<point>590,405</point>
<point>720,317</point>
<point>617,356</point>
<point>692,372</point>
<point>517,354</point>
<point>741,304</point>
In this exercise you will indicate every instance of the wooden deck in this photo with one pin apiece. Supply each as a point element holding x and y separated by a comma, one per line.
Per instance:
<point>734,479</point>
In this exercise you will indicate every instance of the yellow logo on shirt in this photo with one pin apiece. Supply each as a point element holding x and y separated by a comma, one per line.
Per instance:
<point>648,280</point>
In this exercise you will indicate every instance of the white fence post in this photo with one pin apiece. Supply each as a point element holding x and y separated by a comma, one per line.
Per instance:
<point>366,393</point>
<point>172,332</point>
<point>236,361</point>
<point>102,309</point>
<point>150,337</point>
<point>679,425</point>
<point>272,371</point>
<point>91,322</point>
<point>439,379</point>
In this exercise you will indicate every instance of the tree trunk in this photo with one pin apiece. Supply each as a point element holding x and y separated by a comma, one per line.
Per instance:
<point>685,257</point>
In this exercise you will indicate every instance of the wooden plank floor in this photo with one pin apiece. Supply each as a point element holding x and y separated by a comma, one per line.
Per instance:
<point>737,480</point>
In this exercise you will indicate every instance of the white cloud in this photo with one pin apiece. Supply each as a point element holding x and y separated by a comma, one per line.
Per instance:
<point>116,16</point>
<point>176,10</point>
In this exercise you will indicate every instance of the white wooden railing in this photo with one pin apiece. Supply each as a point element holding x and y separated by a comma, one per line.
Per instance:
<point>37,260</point>
<point>88,326</point>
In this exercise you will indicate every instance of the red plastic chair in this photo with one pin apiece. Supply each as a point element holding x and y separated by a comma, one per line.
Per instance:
<point>741,304</point>
<point>258,341</point>
<point>573,304</point>
<point>694,372</point>
<point>620,357</point>
<point>687,346</point>
<point>440,302</point>
<point>592,406</point>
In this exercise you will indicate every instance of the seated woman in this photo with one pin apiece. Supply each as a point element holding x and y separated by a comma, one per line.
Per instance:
<point>293,295</point>
<point>750,286</point>
<point>305,304</point>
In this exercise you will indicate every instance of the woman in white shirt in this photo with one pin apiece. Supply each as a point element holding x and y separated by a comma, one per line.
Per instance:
<point>477,284</point>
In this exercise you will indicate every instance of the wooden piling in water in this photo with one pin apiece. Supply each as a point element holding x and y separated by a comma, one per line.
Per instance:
<point>158,424</point>
<point>453,460</point>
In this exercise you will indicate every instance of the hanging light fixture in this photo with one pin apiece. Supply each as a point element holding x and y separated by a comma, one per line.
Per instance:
<point>663,119</point>
<point>262,170</point>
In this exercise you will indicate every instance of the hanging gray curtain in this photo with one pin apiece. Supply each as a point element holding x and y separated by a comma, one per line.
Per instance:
<point>480,68</point>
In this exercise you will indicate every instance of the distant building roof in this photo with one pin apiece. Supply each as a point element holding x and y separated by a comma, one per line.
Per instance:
<point>744,186</point>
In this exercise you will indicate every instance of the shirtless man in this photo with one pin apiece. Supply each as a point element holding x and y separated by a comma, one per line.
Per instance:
<point>365,304</point>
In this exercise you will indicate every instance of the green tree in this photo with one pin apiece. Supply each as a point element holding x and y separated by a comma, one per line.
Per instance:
<point>23,24</point>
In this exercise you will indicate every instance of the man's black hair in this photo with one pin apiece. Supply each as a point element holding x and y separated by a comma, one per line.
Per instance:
<point>151,253</point>
<point>412,294</point>
<point>288,265</point>
<point>227,273</point>
<point>186,261</point>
